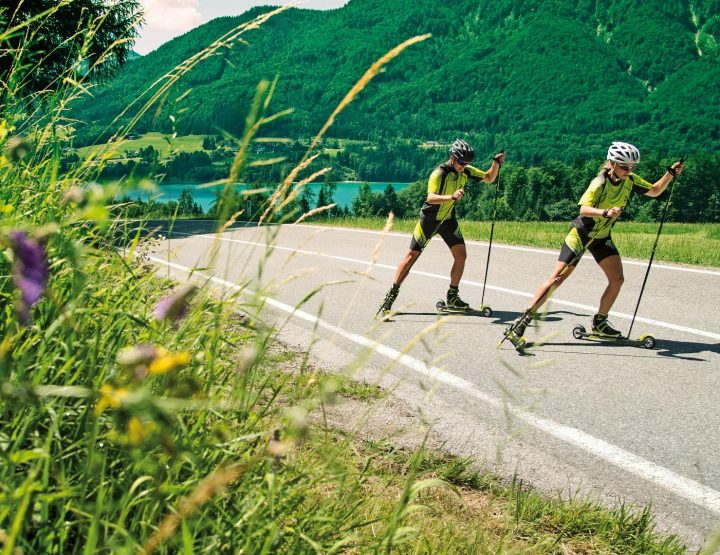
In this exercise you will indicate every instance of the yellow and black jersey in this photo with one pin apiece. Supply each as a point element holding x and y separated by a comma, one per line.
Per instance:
<point>604,194</point>
<point>444,180</point>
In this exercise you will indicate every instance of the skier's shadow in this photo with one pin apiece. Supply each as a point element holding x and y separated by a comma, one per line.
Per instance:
<point>505,318</point>
<point>664,347</point>
<point>499,317</point>
<point>670,348</point>
<point>455,317</point>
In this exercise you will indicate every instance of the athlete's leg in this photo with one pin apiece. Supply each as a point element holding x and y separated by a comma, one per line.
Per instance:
<point>459,253</point>
<point>421,236</point>
<point>612,266</point>
<point>570,253</point>
<point>561,272</point>
<point>405,265</point>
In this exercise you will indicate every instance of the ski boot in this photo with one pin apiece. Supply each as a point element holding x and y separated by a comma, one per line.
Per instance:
<point>516,330</point>
<point>386,308</point>
<point>602,328</point>
<point>453,304</point>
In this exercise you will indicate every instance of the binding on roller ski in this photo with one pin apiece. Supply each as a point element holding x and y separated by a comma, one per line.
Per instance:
<point>516,330</point>
<point>455,305</point>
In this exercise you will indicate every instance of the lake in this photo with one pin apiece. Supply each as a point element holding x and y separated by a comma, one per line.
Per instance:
<point>204,196</point>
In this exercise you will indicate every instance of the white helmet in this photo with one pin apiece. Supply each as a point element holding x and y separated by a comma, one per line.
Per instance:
<point>623,153</point>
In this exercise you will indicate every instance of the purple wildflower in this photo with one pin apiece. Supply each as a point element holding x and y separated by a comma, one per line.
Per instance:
<point>174,307</point>
<point>31,271</point>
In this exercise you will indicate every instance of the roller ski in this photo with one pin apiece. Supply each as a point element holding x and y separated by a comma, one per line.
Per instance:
<point>385,310</point>
<point>602,331</point>
<point>443,308</point>
<point>455,305</point>
<point>515,332</point>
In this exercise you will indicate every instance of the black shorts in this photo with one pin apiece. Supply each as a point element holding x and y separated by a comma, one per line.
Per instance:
<point>599,248</point>
<point>449,230</point>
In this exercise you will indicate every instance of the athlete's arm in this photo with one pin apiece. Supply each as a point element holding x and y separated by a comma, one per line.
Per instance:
<point>661,184</point>
<point>491,174</point>
<point>591,212</point>
<point>435,185</point>
<point>590,199</point>
<point>434,198</point>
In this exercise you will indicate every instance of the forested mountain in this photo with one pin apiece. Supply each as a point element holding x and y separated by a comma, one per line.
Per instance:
<point>555,79</point>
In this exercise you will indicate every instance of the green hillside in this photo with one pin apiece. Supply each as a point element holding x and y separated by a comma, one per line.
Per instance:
<point>557,81</point>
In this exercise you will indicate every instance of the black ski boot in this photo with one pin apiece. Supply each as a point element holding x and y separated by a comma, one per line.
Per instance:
<point>454,302</point>
<point>386,308</point>
<point>517,328</point>
<point>602,328</point>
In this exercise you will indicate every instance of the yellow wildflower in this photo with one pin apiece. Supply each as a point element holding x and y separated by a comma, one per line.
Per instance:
<point>139,431</point>
<point>110,397</point>
<point>168,362</point>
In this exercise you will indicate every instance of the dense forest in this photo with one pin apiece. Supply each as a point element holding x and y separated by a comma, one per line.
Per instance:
<point>557,80</point>
<point>546,192</point>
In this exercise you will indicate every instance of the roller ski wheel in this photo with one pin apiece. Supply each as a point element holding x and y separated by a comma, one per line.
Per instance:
<point>648,341</point>
<point>579,332</point>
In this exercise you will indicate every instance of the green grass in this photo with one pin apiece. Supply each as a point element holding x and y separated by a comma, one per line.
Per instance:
<point>697,244</point>
<point>163,143</point>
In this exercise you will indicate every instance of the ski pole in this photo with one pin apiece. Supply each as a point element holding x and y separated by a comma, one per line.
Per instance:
<point>657,238</point>
<point>492,230</point>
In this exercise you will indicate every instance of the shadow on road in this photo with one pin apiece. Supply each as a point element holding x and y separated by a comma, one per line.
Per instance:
<point>664,348</point>
<point>504,317</point>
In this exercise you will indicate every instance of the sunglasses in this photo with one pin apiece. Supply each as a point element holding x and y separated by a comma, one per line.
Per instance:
<point>626,167</point>
<point>461,163</point>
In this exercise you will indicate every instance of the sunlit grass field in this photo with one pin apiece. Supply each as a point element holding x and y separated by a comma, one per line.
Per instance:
<point>680,243</point>
<point>161,142</point>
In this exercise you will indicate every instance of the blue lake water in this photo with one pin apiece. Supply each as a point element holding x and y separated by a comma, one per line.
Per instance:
<point>204,196</point>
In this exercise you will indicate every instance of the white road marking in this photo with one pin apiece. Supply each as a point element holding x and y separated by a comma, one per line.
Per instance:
<point>695,492</point>
<point>659,323</point>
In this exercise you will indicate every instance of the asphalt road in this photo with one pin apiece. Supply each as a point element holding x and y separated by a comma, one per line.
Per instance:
<point>616,422</point>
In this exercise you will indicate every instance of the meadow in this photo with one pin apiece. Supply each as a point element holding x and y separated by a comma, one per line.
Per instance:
<point>161,142</point>
<point>697,244</point>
